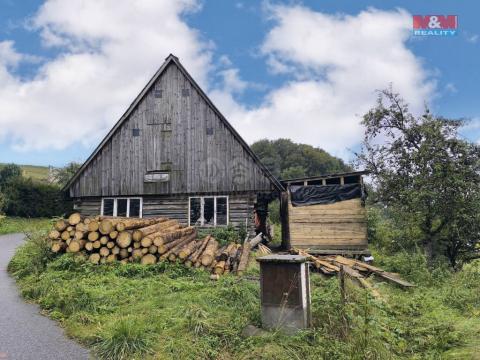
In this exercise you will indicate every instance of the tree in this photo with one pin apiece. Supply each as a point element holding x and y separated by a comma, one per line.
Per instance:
<point>286,159</point>
<point>9,172</point>
<point>62,176</point>
<point>425,172</point>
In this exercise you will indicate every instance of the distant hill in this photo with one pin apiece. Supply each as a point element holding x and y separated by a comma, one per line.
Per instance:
<point>39,173</point>
<point>286,159</point>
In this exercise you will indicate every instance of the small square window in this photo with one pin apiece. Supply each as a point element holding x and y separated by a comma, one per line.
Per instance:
<point>136,132</point>
<point>185,92</point>
<point>209,131</point>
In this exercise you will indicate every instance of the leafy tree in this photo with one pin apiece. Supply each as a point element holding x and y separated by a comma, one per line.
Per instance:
<point>286,159</point>
<point>63,175</point>
<point>9,172</point>
<point>423,171</point>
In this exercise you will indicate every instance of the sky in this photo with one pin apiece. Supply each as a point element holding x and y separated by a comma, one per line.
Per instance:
<point>304,70</point>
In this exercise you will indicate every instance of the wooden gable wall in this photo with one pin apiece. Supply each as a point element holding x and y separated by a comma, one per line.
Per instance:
<point>178,132</point>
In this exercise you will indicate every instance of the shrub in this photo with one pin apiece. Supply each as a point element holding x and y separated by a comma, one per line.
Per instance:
<point>27,198</point>
<point>225,235</point>
<point>122,339</point>
<point>31,258</point>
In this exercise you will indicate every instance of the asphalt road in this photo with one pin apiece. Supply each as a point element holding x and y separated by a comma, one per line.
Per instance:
<point>25,334</point>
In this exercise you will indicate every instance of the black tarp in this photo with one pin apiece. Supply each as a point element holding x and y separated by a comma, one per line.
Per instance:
<point>324,194</point>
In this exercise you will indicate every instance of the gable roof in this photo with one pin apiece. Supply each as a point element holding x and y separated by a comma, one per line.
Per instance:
<point>173,59</point>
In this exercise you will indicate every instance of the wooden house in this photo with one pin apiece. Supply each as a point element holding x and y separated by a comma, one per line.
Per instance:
<point>173,154</point>
<point>325,214</point>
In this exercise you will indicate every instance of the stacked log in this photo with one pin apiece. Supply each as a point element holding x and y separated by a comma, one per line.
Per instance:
<point>104,239</point>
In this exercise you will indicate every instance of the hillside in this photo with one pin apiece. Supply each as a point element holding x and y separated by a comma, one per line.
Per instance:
<point>286,159</point>
<point>35,172</point>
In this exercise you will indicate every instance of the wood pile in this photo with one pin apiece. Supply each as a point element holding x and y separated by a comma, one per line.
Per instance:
<point>104,239</point>
<point>355,269</point>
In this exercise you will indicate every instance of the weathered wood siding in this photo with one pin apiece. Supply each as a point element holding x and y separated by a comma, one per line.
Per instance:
<point>88,207</point>
<point>176,207</point>
<point>342,225</point>
<point>179,132</point>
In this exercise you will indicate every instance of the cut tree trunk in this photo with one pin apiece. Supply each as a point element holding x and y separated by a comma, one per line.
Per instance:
<point>74,219</point>
<point>104,251</point>
<point>105,227</point>
<point>196,255</point>
<point>93,226</point>
<point>61,225</point>
<point>188,249</point>
<point>242,265</point>
<point>94,258</point>
<point>58,246</point>
<point>74,246</point>
<point>209,253</point>
<point>164,238</point>
<point>93,236</point>
<point>54,234</point>
<point>157,227</point>
<point>146,242</point>
<point>81,227</point>
<point>148,259</point>
<point>124,239</point>
<point>165,250</point>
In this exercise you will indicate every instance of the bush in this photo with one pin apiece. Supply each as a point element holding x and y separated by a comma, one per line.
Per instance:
<point>32,257</point>
<point>27,198</point>
<point>225,235</point>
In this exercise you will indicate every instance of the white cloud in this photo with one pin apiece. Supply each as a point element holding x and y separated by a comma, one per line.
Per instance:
<point>108,51</point>
<point>335,64</point>
<point>451,88</point>
<point>472,38</point>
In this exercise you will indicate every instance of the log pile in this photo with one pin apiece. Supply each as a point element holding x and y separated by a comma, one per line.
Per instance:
<point>355,269</point>
<point>104,239</point>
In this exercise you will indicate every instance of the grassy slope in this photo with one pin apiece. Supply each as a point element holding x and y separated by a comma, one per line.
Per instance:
<point>166,311</point>
<point>9,225</point>
<point>33,171</point>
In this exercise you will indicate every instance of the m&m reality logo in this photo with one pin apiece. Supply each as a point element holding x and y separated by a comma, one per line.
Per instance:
<point>435,25</point>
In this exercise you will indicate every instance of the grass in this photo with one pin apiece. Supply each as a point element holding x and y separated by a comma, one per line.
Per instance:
<point>167,311</point>
<point>9,225</point>
<point>35,172</point>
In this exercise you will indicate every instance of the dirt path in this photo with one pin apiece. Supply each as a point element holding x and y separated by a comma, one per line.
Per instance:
<point>24,333</point>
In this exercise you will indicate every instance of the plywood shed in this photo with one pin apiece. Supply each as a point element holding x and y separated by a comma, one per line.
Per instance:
<point>174,155</point>
<point>325,214</point>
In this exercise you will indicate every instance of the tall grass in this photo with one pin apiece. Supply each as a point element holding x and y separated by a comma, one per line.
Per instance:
<point>168,311</point>
<point>125,338</point>
<point>10,225</point>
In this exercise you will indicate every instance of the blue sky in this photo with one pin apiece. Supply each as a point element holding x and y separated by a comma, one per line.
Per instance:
<point>275,69</point>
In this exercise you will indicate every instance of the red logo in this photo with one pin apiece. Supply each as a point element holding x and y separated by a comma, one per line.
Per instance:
<point>435,22</point>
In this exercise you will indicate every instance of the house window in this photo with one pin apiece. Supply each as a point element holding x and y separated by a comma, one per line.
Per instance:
<point>208,211</point>
<point>123,207</point>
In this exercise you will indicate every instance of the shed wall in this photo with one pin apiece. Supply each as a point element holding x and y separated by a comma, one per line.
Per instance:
<point>342,225</point>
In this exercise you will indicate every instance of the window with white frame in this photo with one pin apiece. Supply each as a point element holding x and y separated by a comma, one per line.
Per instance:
<point>208,211</point>
<point>124,207</point>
